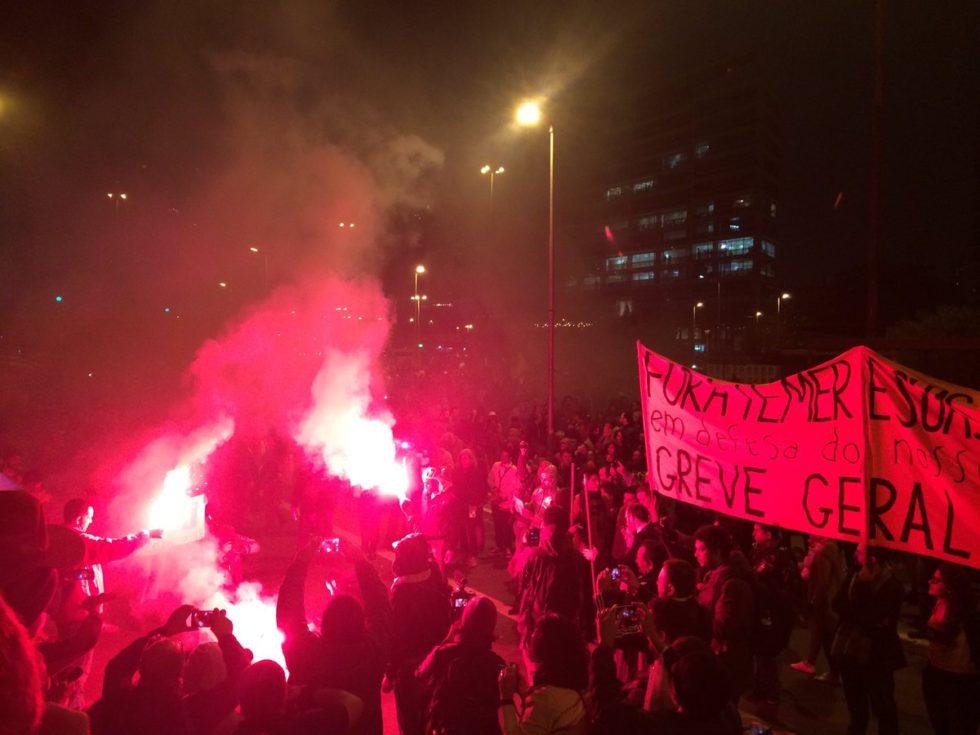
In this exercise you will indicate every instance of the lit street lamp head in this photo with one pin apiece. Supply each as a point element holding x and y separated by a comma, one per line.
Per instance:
<point>528,113</point>
<point>420,269</point>
<point>485,169</point>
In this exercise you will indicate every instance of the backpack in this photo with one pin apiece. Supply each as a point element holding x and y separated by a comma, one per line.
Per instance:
<point>464,699</point>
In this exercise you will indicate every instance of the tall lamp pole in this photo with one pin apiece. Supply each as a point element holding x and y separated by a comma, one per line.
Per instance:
<point>529,114</point>
<point>419,270</point>
<point>487,169</point>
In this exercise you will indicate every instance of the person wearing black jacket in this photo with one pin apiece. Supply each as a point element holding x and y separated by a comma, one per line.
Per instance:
<point>420,607</point>
<point>557,579</point>
<point>867,647</point>
<point>154,705</point>
<point>460,675</point>
<point>352,647</point>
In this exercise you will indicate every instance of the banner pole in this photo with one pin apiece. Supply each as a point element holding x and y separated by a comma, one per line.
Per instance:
<point>588,531</point>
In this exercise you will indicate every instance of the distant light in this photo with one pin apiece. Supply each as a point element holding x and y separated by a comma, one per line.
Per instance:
<point>223,284</point>
<point>254,249</point>
<point>529,113</point>
<point>59,299</point>
<point>166,309</point>
<point>109,195</point>
<point>420,269</point>
<point>420,345</point>
<point>90,375</point>
<point>694,367</point>
<point>352,225</point>
<point>758,313</point>
<point>785,296</point>
<point>468,326</point>
<point>699,305</point>
<point>485,169</point>
<point>499,170</point>
<point>341,224</point>
<point>122,196</point>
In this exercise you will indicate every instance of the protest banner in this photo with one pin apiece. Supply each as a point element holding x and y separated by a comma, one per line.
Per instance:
<point>857,448</point>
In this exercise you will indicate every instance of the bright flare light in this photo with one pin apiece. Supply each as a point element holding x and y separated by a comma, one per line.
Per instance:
<point>254,618</point>
<point>529,113</point>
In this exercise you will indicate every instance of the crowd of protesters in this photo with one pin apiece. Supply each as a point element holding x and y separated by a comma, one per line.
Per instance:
<point>634,614</point>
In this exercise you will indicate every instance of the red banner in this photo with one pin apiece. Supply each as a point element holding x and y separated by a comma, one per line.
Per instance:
<point>858,448</point>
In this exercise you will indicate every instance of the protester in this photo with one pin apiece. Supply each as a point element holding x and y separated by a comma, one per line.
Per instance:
<point>950,679</point>
<point>824,572</point>
<point>21,705</point>
<point>154,704</point>
<point>640,529</point>
<point>420,607</point>
<point>470,488</point>
<point>558,579</point>
<point>460,675</point>
<point>866,647</point>
<point>726,593</point>
<point>85,579</point>
<point>504,484</point>
<point>266,710</point>
<point>351,651</point>
<point>776,577</point>
<point>555,703</point>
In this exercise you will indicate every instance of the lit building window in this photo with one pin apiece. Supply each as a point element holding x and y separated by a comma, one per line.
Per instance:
<point>617,263</point>
<point>673,160</point>
<point>704,209</point>
<point>648,222</point>
<point>670,274</point>
<point>703,250</point>
<point>735,267</point>
<point>643,260</point>
<point>742,202</point>
<point>768,248</point>
<point>736,246</point>
<point>616,278</point>
<point>699,347</point>
<point>677,253</point>
<point>735,224</point>
<point>701,149</point>
<point>675,217</point>
<point>613,192</point>
<point>641,186</point>
<point>644,276</point>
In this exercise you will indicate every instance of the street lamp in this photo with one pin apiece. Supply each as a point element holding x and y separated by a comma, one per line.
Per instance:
<point>529,114</point>
<point>116,197</point>
<point>419,270</point>
<point>488,169</point>
<point>779,302</point>
<point>265,263</point>
<point>694,319</point>
<point>757,315</point>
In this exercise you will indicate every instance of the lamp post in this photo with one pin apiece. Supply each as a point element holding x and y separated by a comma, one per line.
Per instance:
<point>116,197</point>
<point>265,263</point>
<point>419,270</point>
<point>488,169</point>
<point>694,320</point>
<point>757,315</point>
<point>779,302</point>
<point>529,114</point>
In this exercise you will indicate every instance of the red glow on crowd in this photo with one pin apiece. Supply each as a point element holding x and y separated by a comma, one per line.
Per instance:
<point>254,618</point>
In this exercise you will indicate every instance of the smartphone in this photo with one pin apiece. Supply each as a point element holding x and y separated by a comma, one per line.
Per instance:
<point>616,573</point>
<point>86,574</point>
<point>330,545</point>
<point>202,618</point>
<point>460,602</point>
<point>627,620</point>
<point>533,536</point>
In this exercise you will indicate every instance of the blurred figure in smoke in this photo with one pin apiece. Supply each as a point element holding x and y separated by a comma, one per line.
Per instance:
<point>351,650</point>
<point>470,488</point>
<point>504,485</point>
<point>421,609</point>
<point>442,519</point>
<point>20,680</point>
<point>86,580</point>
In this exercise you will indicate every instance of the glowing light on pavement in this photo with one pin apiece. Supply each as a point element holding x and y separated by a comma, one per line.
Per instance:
<point>254,618</point>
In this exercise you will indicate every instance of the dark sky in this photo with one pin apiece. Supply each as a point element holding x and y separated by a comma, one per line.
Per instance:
<point>238,124</point>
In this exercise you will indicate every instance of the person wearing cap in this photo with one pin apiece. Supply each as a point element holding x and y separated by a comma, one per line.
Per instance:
<point>460,675</point>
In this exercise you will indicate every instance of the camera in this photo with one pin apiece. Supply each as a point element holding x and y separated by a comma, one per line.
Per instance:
<point>329,545</point>
<point>533,536</point>
<point>202,618</point>
<point>458,599</point>
<point>627,620</point>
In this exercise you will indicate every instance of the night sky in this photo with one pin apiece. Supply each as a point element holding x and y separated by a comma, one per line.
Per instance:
<point>260,124</point>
